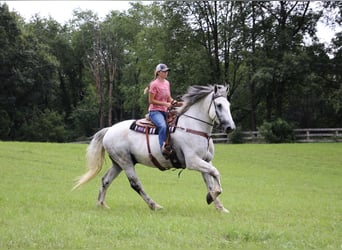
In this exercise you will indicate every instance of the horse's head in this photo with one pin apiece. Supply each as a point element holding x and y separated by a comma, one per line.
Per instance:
<point>219,110</point>
<point>199,97</point>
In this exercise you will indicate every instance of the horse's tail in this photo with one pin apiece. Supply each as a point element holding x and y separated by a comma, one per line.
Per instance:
<point>95,157</point>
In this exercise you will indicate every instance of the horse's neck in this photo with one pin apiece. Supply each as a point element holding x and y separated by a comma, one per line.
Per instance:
<point>197,117</point>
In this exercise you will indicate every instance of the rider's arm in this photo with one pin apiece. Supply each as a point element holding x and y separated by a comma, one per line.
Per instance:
<point>152,100</point>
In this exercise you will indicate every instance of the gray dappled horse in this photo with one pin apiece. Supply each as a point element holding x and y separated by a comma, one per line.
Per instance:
<point>191,141</point>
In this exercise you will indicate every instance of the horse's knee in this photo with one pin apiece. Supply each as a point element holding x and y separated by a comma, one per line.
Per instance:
<point>214,172</point>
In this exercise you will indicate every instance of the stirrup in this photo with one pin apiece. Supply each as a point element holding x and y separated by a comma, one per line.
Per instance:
<point>166,150</point>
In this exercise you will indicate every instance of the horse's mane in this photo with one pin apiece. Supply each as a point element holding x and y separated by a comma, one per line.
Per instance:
<point>194,94</point>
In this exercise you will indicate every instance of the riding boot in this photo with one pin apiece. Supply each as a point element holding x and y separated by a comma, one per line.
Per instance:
<point>166,150</point>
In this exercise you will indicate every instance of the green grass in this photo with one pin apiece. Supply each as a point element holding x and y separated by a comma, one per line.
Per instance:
<point>283,196</point>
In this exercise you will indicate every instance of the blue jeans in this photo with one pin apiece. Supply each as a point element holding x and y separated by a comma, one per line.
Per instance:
<point>159,119</point>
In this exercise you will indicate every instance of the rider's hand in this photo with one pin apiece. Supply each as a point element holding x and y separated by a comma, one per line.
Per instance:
<point>176,103</point>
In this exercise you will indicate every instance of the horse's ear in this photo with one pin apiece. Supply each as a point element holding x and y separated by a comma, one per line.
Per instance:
<point>215,88</point>
<point>227,85</point>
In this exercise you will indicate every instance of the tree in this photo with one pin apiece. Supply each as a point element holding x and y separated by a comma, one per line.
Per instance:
<point>87,36</point>
<point>10,42</point>
<point>114,47</point>
<point>90,73</point>
<point>284,27</point>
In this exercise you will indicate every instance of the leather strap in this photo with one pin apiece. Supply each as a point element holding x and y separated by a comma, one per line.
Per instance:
<point>152,158</point>
<point>196,132</point>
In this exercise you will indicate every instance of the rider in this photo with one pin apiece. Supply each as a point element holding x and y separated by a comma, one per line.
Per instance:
<point>160,101</point>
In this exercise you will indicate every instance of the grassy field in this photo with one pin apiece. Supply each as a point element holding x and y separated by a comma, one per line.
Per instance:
<point>284,196</point>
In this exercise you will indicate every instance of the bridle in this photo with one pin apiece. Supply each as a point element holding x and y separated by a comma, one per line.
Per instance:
<point>196,132</point>
<point>216,115</point>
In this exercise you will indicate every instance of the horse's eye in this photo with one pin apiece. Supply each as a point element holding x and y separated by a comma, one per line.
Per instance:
<point>219,106</point>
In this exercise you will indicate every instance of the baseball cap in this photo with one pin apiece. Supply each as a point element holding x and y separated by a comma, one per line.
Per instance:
<point>162,67</point>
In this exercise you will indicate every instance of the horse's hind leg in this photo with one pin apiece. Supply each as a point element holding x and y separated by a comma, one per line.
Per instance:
<point>136,185</point>
<point>107,179</point>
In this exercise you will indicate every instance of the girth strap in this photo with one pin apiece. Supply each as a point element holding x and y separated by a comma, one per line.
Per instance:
<point>152,158</point>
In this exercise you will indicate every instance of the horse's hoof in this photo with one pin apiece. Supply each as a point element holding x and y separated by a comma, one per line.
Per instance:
<point>103,205</point>
<point>211,196</point>
<point>223,210</point>
<point>209,199</point>
<point>156,207</point>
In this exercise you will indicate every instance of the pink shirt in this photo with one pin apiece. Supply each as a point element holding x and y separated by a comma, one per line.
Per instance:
<point>161,91</point>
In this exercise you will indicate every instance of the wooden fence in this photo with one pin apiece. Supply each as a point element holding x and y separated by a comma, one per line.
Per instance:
<point>319,135</point>
<point>301,135</point>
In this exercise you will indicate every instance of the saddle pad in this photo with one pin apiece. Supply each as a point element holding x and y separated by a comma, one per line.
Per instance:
<point>151,130</point>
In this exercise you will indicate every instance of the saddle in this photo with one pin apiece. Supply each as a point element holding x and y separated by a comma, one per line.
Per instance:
<point>146,126</point>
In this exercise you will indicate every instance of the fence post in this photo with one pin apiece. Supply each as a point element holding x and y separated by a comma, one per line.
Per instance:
<point>307,135</point>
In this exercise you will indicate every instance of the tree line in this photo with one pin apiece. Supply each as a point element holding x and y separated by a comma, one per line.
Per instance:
<point>64,82</point>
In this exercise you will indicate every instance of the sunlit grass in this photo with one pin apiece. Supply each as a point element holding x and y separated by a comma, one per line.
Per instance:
<point>279,196</point>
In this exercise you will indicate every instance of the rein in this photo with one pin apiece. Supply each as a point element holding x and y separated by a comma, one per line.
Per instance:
<point>197,119</point>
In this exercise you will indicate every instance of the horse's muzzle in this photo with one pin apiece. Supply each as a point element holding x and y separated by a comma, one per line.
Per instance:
<point>229,128</point>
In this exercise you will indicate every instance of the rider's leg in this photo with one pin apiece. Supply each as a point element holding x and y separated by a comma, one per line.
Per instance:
<point>159,119</point>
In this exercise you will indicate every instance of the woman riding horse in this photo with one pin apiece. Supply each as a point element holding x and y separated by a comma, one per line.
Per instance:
<point>160,101</point>
<point>203,106</point>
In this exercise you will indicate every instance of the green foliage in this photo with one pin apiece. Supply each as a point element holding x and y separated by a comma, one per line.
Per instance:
<point>47,126</point>
<point>93,71</point>
<point>84,117</point>
<point>278,131</point>
<point>284,196</point>
<point>5,124</point>
<point>236,136</point>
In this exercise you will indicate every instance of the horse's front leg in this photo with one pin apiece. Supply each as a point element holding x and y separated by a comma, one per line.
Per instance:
<point>136,185</point>
<point>208,179</point>
<point>206,168</point>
